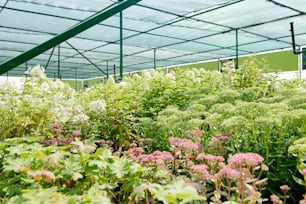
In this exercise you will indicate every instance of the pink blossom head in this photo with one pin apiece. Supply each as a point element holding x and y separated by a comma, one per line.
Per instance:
<point>210,157</point>
<point>57,128</point>
<point>248,159</point>
<point>275,199</point>
<point>135,151</point>
<point>229,173</point>
<point>76,133</point>
<point>133,145</point>
<point>184,144</point>
<point>47,176</point>
<point>145,140</point>
<point>201,171</point>
<point>285,188</point>
<point>199,167</point>
<point>196,132</point>
<point>304,172</point>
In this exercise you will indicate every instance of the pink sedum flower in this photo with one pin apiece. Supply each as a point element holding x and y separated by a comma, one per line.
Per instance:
<point>304,172</point>
<point>199,167</point>
<point>76,133</point>
<point>285,188</point>
<point>135,151</point>
<point>210,157</point>
<point>249,159</point>
<point>229,173</point>
<point>275,199</point>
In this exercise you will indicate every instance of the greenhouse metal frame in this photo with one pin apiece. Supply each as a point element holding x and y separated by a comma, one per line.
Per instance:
<point>78,39</point>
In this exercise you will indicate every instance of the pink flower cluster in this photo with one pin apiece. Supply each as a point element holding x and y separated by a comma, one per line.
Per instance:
<point>76,133</point>
<point>156,158</point>
<point>145,140</point>
<point>57,129</point>
<point>194,132</point>
<point>201,171</point>
<point>59,141</point>
<point>134,152</point>
<point>285,188</point>
<point>245,159</point>
<point>275,199</point>
<point>210,157</point>
<point>197,134</point>
<point>229,173</point>
<point>183,144</point>
<point>104,142</point>
<point>304,172</point>
<point>40,175</point>
<point>218,138</point>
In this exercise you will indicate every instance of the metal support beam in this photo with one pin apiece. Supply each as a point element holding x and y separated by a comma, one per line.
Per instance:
<point>121,45</point>
<point>76,79</point>
<point>107,75</point>
<point>58,61</point>
<point>237,51</point>
<point>74,30</point>
<point>26,68</point>
<point>114,72</point>
<point>154,58</point>
<point>49,58</point>
<point>80,53</point>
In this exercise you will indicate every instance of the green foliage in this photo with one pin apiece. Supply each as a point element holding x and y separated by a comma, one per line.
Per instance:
<point>245,106</point>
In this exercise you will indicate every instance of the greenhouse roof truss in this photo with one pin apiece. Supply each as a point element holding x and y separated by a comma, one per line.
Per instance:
<point>134,35</point>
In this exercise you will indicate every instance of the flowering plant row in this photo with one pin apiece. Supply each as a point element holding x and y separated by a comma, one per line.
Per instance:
<point>189,136</point>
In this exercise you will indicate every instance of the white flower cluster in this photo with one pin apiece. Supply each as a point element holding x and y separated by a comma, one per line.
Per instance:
<point>36,71</point>
<point>79,116</point>
<point>97,106</point>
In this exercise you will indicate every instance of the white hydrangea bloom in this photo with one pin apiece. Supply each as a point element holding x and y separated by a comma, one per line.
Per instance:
<point>171,76</point>
<point>44,87</point>
<point>80,118</point>
<point>146,74</point>
<point>37,71</point>
<point>123,83</point>
<point>97,106</point>
<point>59,84</point>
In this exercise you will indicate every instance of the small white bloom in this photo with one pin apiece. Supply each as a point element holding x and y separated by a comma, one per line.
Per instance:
<point>97,106</point>
<point>37,71</point>
<point>80,118</point>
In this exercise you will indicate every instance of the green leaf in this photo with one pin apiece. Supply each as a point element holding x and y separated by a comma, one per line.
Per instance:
<point>298,180</point>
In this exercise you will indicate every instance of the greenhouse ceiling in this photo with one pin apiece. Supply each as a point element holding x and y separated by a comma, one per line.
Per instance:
<point>155,33</point>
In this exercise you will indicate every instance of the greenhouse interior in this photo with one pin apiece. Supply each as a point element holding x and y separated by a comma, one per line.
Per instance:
<point>141,101</point>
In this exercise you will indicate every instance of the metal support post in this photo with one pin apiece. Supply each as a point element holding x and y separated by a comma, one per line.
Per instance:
<point>49,58</point>
<point>154,58</point>
<point>107,75</point>
<point>300,63</point>
<point>58,61</point>
<point>76,79</point>
<point>121,46</point>
<point>237,52</point>
<point>114,72</point>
